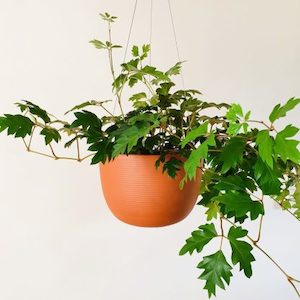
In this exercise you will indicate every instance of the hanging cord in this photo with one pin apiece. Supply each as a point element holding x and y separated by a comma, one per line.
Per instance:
<point>128,40</point>
<point>151,30</point>
<point>175,39</point>
<point>130,30</point>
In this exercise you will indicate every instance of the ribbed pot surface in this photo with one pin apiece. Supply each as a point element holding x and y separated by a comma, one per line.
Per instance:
<point>139,194</point>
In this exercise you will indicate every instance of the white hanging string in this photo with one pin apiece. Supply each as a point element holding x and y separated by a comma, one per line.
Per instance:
<point>150,37</point>
<point>128,40</point>
<point>151,30</point>
<point>130,29</point>
<point>175,39</point>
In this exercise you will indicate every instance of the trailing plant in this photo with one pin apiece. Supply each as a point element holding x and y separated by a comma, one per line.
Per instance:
<point>246,162</point>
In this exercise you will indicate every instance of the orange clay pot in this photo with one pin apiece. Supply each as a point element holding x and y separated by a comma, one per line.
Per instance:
<point>139,194</point>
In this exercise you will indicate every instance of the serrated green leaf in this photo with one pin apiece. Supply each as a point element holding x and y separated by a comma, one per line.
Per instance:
<point>175,70</point>
<point>17,125</point>
<point>234,128</point>
<point>129,137</point>
<point>212,211</point>
<point>231,182</point>
<point>287,148</point>
<point>199,239</point>
<point>86,104</point>
<point>194,160</point>
<point>146,49</point>
<point>241,250</point>
<point>265,147</point>
<point>172,166</point>
<point>267,179</point>
<point>296,194</point>
<point>234,112</point>
<point>280,111</point>
<point>37,111</point>
<point>86,119</point>
<point>135,51</point>
<point>195,133</point>
<point>50,134</point>
<point>232,153</point>
<point>240,204</point>
<point>98,44</point>
<point>216,271</point>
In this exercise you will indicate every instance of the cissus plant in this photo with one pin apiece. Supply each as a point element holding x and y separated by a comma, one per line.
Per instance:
<point>244,161</point>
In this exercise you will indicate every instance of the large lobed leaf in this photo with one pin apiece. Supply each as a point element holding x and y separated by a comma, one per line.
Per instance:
<point>199,239</point>
<point>217,271</point>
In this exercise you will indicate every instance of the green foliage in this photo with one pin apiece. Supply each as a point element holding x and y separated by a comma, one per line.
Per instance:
<point>85,120</point>
<point>238,204</point>
<point>232,153</point>
<point>241,250</point>
<point>241,160</point>
<point>86,104</point>
<point>285,147</point>
<point>34,110</point>
<point>265,145</point>
<point>217,272</point>
<point>199,239</point>
<point>17,125</point>
<point>51,134</point>
<point>195,133</point>
<point>172,166</point>
<point>280,111</point>
<point>194,160</point>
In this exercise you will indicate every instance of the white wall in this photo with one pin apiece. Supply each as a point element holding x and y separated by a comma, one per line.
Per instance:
<point>57,238</point>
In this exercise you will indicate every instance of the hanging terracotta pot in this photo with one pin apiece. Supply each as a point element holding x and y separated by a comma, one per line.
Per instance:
<point>139,194</point>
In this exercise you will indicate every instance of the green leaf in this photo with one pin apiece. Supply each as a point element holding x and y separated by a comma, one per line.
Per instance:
<point>35,110</point>
<point>194,160</point>
<point>107,17</point>
<point>17,125</point>
<point>232,182</point>
<point>241,250</point>
<point>287,148</point>
<point>146,49</point>
<point>136,99</point>
<point>234,128</point>
<point>216,271</point>
<point>265,147</point>
<point>267,179</point>
<point>297,193</point>
<point>87,103</point>
<point>98,44</point>
<point>135,51</point>
<point>239,204</point>
<point>102,149</point>
<point>280,111</point>
<point>86,119</point>
<point>175,70</point>
<point>232,153</point>
<point>199,239</point>
<point>234,112</point>
<point>129,137</point>
<point>195,133</point>
<point>172,166</point>
<point>51,134</point>
<point>70,142</point>
<point>212,211</point>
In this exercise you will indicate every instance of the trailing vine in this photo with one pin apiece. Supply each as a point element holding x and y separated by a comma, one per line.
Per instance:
<point>243,166</point>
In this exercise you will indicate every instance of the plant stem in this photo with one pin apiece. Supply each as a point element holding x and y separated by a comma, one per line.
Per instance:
<point>78,148</point>
<point>254,243</point>
<point>222,231</point>
<point>110,57</point>
<point>286,209</point>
